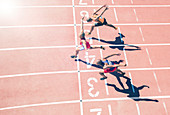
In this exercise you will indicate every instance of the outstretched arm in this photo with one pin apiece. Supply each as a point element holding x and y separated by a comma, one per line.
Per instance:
<point>103,12</point>
<point>82,25</point>
<point>99,9</point>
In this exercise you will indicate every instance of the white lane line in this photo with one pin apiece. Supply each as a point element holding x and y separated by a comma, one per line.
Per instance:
<point>72,46</point>
<point>56,72</point>
<point>136,15</point>
<point>156,81</point>
<point>68,25</point>
<point>131,81</point>
<point>110,109</point>
<point>107,91</point>
<point>141,33</point>
<point>65,6</point>
<point>101,55</point>
<point>148,56</point>
<point>40,104</point>
<point>78,68</point>
<point>125,98</point>
<point>129,6</point>
<point>113,2</point>
<point>165,108</point>
<point>115,14</point>
<point>86,100</point>
<point>36,26</point>
<point>124,50</point>
<point>92,1</point>
<point>41,47</point>
<point>138,110</point>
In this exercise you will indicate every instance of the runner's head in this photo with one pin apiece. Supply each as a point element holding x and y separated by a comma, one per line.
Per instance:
<point>82,35</point>
<point>100,63</point>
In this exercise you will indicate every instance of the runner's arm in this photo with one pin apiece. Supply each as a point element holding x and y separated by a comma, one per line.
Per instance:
<point>102,12</point>
<point>84,44</point>
<point>99,9</point>
<point>82,25</point>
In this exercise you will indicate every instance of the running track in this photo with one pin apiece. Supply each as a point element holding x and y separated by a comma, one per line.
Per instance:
<point>38,77</point>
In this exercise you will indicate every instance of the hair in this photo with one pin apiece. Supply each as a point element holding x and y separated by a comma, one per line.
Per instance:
<point>82,35</point>
<point>100,63</point>
<point>89,20</point>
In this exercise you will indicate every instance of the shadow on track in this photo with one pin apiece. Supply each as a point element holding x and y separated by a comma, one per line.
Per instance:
<point>119,43</point>
<point>132,91</point>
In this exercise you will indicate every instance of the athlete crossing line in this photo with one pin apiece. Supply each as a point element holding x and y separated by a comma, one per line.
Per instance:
<point>99,20</point>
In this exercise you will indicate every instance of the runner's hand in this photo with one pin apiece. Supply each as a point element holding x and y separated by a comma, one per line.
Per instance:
<point>107,7</point>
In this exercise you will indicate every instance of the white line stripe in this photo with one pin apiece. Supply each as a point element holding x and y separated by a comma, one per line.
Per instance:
<point>138,110</point>
<point>113,2</point>
<point>40,104</point>
<point>56,72</point>
<point>110,109</point>
<point>41,47</point>
<point>115,14</point>
<point>65,25</point>
<point>148,56</point>
<point>87,100</point>
<point>101,55</point>
<point>156,81</point>
<point>65,6</point>
<point>141,33</point>
<point>124,51</point>
<point>124,98</point>
<point>123,6</point>
<point>132,82</point>
<point>107,91</point>
<point>125,57</point>
<point>78,68</point>
<point>72,46</point>
<point>135,15</point>
<point>33,26</point>
<point>165,108</point>
<point>92,1</point>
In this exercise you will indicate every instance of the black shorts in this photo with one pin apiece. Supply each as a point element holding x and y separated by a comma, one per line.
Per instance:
<point>101,24</point>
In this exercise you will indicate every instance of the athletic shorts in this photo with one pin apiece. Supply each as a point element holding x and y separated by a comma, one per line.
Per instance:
<point>108,70</point>
<point>87,45</point>
<point>101,24</point>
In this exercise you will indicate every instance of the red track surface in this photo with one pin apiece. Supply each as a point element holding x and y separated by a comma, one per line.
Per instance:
<point>38,77</point>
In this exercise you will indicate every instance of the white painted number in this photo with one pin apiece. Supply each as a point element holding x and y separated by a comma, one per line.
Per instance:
<point>81,2</point>
<point>84,13</point>
<point>89,64</point>
<point>98,110</point>
<point>92,87</point>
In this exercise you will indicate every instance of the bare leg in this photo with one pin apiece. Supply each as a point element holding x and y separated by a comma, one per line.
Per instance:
<point>91,29</point>
<point>121,72</point>
<point>102,74</point>
<point>75,56</point>
<point>110,25</point>
<point>77,51</point>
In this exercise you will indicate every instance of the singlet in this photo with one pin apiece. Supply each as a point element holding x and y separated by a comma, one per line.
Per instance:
<point>108,62</point>
<point>99,20</point>
<point>87,43</point>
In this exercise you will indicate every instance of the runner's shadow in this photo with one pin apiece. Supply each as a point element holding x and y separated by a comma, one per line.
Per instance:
<point>132,91</point>
<point>100,66</point>
<point>120,43</point>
